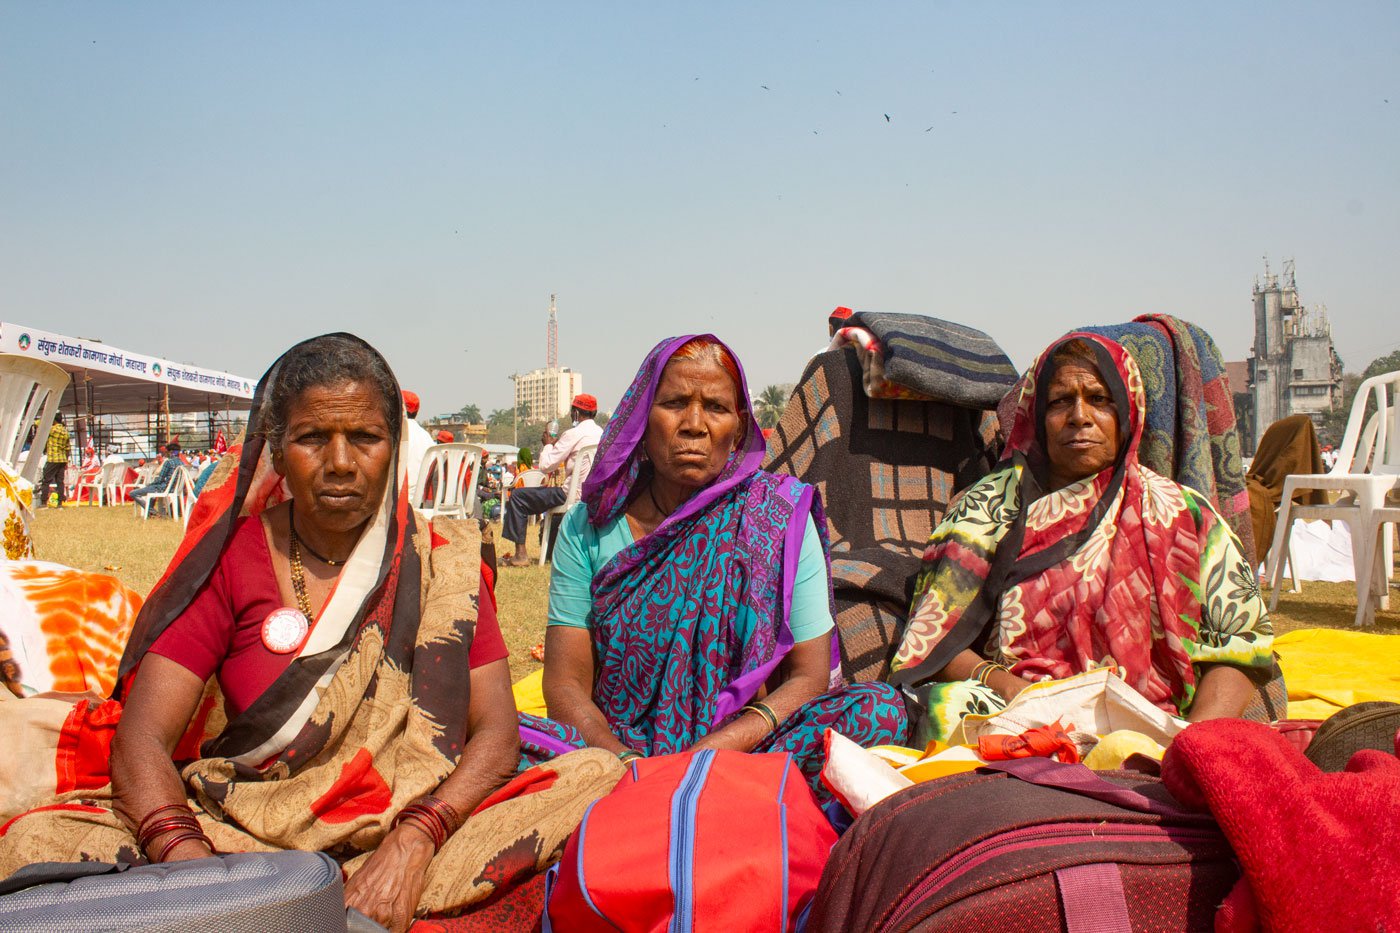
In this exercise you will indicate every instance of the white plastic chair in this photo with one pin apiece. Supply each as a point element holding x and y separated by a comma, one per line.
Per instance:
<point>1367,470</point>
<point>100,484</point>
<point>583,463</point>
<point>526,479</point>
<point>471,466</point>
<point>1378,568</point>
<point>30,390</point>
<point>72,477</point>
<point>455,465</point>
<point>173,494</point>
<point>117,486</point>
<point>186,492</point>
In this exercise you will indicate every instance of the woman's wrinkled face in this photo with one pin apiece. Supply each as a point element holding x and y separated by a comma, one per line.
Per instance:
<point>336,455</point>
<point>694,423</point>
<point>1081,424</point>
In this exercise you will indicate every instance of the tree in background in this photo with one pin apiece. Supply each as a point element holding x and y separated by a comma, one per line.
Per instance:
<point>1334,423</point>
<point>470,414</point>
<point>770,404</point>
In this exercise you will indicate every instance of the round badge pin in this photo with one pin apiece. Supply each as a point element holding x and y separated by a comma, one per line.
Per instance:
<point>284,630</point>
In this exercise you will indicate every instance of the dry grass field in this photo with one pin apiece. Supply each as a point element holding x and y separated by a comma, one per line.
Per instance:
<point>116,540</point>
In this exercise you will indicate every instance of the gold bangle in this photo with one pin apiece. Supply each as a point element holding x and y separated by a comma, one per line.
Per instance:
<point>772,716</point>
<point>763,710</point>
<point>978,670</point>
<point>987,673</point>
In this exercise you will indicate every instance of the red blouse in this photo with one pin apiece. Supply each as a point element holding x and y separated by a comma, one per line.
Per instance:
<point>221,631</point>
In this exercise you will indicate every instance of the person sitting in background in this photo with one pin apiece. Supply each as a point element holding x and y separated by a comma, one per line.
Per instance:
<point>690,602</point>
<point>171,462</point>
<point>1073,556</point>
<point>537,500</point>
<point>90,468</point>
<point>319,671</point>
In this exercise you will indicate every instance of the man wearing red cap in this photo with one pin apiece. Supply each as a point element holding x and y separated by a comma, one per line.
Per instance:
<point>536,500</point>
<point>419,440</point>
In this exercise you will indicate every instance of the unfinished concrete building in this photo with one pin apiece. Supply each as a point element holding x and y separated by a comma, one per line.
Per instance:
<point>1293,368</point>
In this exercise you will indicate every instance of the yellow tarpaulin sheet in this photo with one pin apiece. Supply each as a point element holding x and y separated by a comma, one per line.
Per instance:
<point>529,694</point>
<point>1327,670</point>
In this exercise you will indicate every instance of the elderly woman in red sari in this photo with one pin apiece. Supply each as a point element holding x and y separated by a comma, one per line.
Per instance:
<point>1072,556</point>
<point>690,604</point>
<point>319,669</point>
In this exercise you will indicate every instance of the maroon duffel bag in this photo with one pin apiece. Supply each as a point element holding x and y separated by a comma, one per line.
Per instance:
<point>1027,845</point>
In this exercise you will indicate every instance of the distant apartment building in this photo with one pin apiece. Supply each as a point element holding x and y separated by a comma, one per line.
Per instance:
<point>1293,368</point>
<point>544,394</point>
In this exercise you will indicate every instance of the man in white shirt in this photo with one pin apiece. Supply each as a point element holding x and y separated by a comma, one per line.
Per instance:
<point>537,500</point>
<point>419,440</point>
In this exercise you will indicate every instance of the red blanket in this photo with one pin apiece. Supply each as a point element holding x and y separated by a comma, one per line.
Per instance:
<point>1320,851</point>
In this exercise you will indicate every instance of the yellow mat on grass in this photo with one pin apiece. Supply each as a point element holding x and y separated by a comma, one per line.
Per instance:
<point>529,693</point>
<point>1327,670</point>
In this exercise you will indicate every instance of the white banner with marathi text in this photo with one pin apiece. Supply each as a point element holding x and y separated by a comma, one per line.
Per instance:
<point>56,348</point>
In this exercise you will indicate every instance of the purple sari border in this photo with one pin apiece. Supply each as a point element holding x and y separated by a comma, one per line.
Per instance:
<point>745,687</point>
<point>529,735</point>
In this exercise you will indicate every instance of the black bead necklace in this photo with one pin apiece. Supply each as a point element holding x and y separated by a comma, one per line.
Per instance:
<point>292,523</point>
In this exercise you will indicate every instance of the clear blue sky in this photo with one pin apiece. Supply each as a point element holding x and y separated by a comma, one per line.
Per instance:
<point>210,182</point>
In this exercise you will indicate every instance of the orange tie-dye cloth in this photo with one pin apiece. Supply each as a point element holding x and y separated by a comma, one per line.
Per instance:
<point>62,630</point>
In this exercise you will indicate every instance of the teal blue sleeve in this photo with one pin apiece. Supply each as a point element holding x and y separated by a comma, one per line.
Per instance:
<point>571,578</point>
<point>811,593</point>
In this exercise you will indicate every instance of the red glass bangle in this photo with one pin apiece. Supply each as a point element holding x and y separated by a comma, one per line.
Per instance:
<point>437,818</point>
<point>180,838</point>
<point>449,813</point>
<point>141,829</point>
<point>429,823</point>
<point>163,826</point>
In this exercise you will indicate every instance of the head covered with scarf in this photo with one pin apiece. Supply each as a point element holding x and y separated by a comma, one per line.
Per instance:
<point>1123,568</point>
<point>731,548</point>
<point>621,465</point>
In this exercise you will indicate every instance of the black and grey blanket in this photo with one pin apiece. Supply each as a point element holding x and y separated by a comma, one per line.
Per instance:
<point>945,361</point>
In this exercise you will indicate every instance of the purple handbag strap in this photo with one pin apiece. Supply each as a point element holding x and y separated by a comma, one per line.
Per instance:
<point>1078,779</point>
<point>1093,898</point>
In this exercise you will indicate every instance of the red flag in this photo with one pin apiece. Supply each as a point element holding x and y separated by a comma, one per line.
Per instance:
<point>220,445</point>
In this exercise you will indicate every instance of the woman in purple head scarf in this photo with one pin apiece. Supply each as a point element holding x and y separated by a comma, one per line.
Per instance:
<point>690,603</point>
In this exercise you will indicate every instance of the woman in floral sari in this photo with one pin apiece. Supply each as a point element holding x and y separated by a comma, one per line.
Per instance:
<point>690,604</point>
<point>319,669</point>
<point>1072,556</point>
